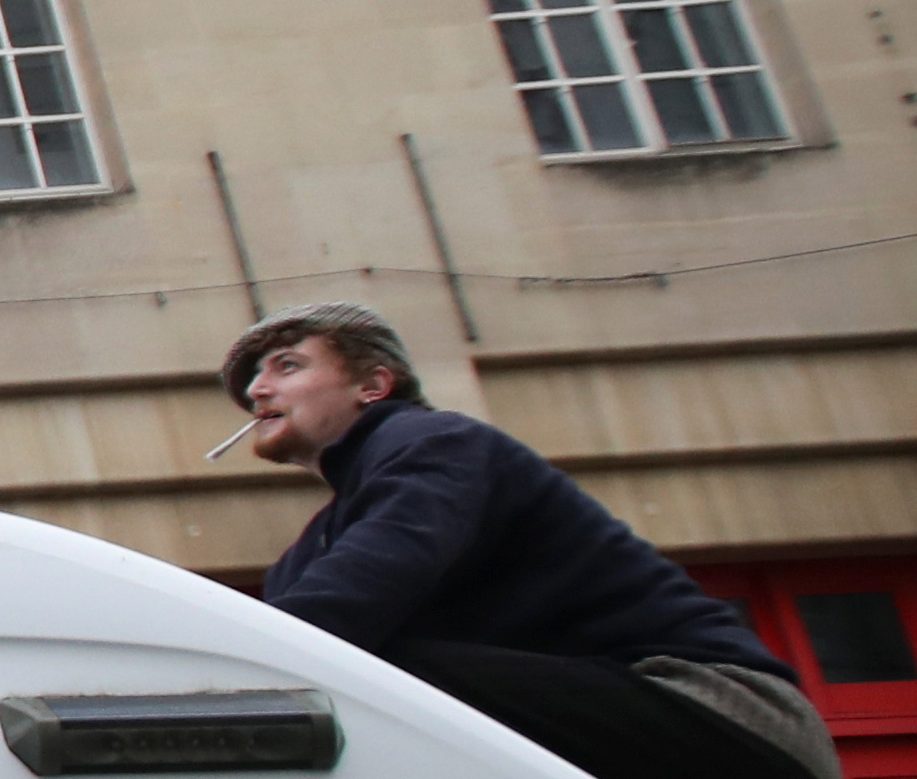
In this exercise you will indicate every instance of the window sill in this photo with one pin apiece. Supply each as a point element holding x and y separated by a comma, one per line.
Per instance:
<point>50,197</point>
<point>864,725</point>
<point>682,153</point>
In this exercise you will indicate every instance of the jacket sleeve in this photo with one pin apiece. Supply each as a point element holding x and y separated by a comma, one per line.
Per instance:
<point>417,509</point>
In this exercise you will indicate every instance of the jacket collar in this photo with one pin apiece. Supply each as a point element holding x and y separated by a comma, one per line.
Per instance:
<point>336,459</point>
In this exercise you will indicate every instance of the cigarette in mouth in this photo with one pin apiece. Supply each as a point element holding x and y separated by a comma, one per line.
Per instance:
<point>220,449</point>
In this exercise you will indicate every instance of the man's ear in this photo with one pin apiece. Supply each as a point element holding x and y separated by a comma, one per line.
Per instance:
<point>377,385</point>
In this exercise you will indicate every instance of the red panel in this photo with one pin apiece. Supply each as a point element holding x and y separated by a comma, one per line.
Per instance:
<point>885,757</point>
<point>874,724</point>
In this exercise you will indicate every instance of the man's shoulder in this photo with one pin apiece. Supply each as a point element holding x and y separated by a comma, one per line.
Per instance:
<point>413,421</point>
<point>451,436</point>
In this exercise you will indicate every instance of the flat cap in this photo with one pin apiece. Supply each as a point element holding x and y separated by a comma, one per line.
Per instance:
<point>353,319</point>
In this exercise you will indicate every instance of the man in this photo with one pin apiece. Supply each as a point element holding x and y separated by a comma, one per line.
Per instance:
<point>455,552</point>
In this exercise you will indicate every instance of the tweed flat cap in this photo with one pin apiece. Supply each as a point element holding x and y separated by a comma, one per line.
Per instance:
<point>313,319</point>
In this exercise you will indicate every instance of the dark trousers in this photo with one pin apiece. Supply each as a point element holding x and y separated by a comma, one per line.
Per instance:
<point>597,714</point>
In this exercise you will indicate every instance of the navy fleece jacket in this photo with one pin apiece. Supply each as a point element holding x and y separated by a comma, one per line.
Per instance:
<point>443,527</point>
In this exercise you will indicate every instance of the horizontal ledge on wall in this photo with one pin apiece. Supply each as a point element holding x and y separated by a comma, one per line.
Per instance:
<point>101,384</point>
<point>294,477</point>
<point>690,350</point>
<point>740,455</point>
<point>245,577</point>
<point>854,546</point>
<point>164,486</point>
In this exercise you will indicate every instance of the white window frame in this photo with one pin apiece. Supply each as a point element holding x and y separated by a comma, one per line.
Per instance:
<point>634,82</point>
<point>24,120</point>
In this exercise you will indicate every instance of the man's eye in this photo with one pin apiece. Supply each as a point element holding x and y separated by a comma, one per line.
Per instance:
<point>286,366</point>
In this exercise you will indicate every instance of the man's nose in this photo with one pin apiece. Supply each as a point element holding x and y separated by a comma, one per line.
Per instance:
<point>258,387</point>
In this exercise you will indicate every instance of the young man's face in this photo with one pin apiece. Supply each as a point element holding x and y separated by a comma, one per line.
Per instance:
<point>306,399</point>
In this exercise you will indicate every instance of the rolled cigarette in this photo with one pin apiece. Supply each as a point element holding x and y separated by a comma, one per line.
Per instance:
<point>217,451</point>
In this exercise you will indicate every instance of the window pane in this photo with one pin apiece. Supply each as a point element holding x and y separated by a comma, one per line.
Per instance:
<point>548,121</point>
<point>680,111</point>
<point>581,49</point>
<point>507,6</point>
<point>857,637</point>
<point>29,22</point>
<point>14,164</point>
<point>65,154</point>
<point>565,3</point>
<point>604,112</point>
<point>7,106</point>
<point>717,35</point>
<point>745,106</point>
<point>654,41</point>
<point>523,50</point>
<point>46,84</point>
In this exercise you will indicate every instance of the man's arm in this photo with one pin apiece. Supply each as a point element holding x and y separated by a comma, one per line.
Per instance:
<point>417,510</point>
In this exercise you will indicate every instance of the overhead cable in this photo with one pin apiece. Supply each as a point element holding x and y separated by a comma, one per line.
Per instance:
<point>659,277</point>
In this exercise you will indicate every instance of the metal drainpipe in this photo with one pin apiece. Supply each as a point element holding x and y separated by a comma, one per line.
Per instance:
<point>245,262</point>
<point>439,237</point>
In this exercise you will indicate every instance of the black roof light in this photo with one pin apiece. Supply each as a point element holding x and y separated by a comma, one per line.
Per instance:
<point>56,735</point>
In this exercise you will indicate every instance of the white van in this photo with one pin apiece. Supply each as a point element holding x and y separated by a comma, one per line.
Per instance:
<point>116,664</point>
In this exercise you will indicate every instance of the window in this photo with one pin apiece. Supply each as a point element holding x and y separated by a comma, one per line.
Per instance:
<point>849,626</point>
<point>618,78</point>
<point>857,637</point>
<point>46,144</point>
